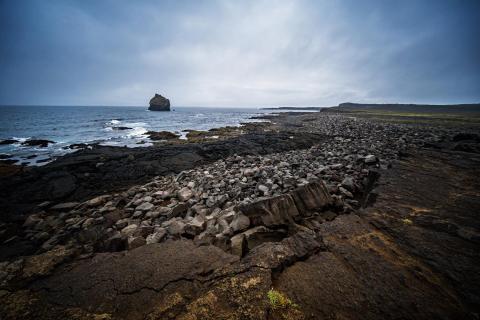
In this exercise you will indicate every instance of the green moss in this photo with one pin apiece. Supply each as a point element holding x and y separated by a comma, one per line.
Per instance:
<point>279,301</point>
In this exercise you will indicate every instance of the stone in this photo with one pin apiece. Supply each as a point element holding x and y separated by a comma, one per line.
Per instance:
<point>195,226</point>
<point>157,236</point>
<point>370,159</point>
<point>31,221</point>
<point>120,224</point>
<point>349,184</point>
<point>238,245</point>
<point>42,143</point>
<point>264,189</point>
<point>176,227</point>
<point>95,202</point>
<point>345,192</point>
<point>135,242</point>
<point>185,194</point>
<point>64,206</point>
<point>240,222</point>
<point>179,210</point>
<point>146,206</point>
<point>129,230</point>
<point>115,243</point>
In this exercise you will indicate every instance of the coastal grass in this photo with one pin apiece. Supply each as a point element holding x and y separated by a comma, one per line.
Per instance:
<point>422,118</point>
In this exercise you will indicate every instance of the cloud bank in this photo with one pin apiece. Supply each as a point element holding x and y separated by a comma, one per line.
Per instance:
<point>239,53</point>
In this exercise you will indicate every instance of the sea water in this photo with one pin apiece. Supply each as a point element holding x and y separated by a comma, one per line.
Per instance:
<point>68,125</point>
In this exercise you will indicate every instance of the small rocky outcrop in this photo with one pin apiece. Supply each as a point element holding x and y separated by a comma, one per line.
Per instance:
<point>159,103</point>
<point>37,142</point>
<point>161,135</point>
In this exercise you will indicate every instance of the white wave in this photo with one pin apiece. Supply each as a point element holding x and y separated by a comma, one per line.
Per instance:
<point>137,132</point>
<point>20,140</point>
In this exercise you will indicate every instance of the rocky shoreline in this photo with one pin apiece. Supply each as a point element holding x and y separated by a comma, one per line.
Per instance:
<point>245,206</point>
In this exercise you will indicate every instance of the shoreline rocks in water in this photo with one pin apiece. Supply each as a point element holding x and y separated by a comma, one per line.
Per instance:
<point>161,135</point>
<point>159,103</point>
<point>8,141</point>
<point>42,143</point>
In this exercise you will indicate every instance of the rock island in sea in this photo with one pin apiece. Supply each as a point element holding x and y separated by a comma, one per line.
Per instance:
<point>159,103</point>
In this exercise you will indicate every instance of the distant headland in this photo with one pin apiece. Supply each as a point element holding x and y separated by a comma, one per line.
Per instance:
<point>159,103</point>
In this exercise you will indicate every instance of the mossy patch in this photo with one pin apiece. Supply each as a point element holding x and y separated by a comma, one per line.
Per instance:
<point>278,300</point>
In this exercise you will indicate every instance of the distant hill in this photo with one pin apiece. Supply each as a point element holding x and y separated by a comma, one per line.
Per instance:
<point>424,108</point>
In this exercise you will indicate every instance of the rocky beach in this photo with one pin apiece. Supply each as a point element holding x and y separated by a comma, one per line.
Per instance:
<point>318,215</point>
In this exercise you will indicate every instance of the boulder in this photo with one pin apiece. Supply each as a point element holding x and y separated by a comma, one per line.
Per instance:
<point>159,103</point>
<point>161,135</point>
<point>185,194</point>
<point>240,222</point>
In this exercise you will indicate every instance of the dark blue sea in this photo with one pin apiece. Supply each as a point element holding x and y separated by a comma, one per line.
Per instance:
<point>69,125</point>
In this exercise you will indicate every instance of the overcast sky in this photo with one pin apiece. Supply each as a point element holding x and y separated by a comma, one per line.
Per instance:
<point>239,53</point>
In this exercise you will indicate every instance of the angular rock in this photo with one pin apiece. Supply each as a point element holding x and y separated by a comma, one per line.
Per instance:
<point>185,194</point>
<point>240,222</point>
<point>238,245</point>
<point>146,206</point>
<point>129,230</point>
<point>157,236</point>
<point>135,242</point>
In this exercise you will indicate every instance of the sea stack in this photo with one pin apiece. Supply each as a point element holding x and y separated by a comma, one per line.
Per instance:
<point>159,103</point>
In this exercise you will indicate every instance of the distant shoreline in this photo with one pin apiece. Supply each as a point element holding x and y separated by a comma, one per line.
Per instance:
<point>293,108</point>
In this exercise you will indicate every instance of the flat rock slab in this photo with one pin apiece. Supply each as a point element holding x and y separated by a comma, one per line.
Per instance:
<point>127,282</point>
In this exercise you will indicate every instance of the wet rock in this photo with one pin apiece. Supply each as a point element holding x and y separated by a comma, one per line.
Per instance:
<point>8,141</point>
<point>37,142</point>
<point>161,135</point>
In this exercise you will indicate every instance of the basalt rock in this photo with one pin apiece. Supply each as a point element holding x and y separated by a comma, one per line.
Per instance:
<point>37,142</point>
<point>159,103</point>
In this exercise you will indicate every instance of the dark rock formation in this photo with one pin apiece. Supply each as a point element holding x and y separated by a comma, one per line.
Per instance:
<point>161,135</point>
<point>8,141</point>
<point>159,103</point>
<point>37,142</point>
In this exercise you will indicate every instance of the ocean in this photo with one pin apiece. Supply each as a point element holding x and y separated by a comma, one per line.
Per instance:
<point>100,124</point>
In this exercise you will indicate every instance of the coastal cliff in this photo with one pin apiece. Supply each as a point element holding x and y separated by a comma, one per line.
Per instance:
<point>159,103</point>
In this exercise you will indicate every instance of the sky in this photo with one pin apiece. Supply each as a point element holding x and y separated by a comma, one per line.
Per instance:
<point>239,53</point>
